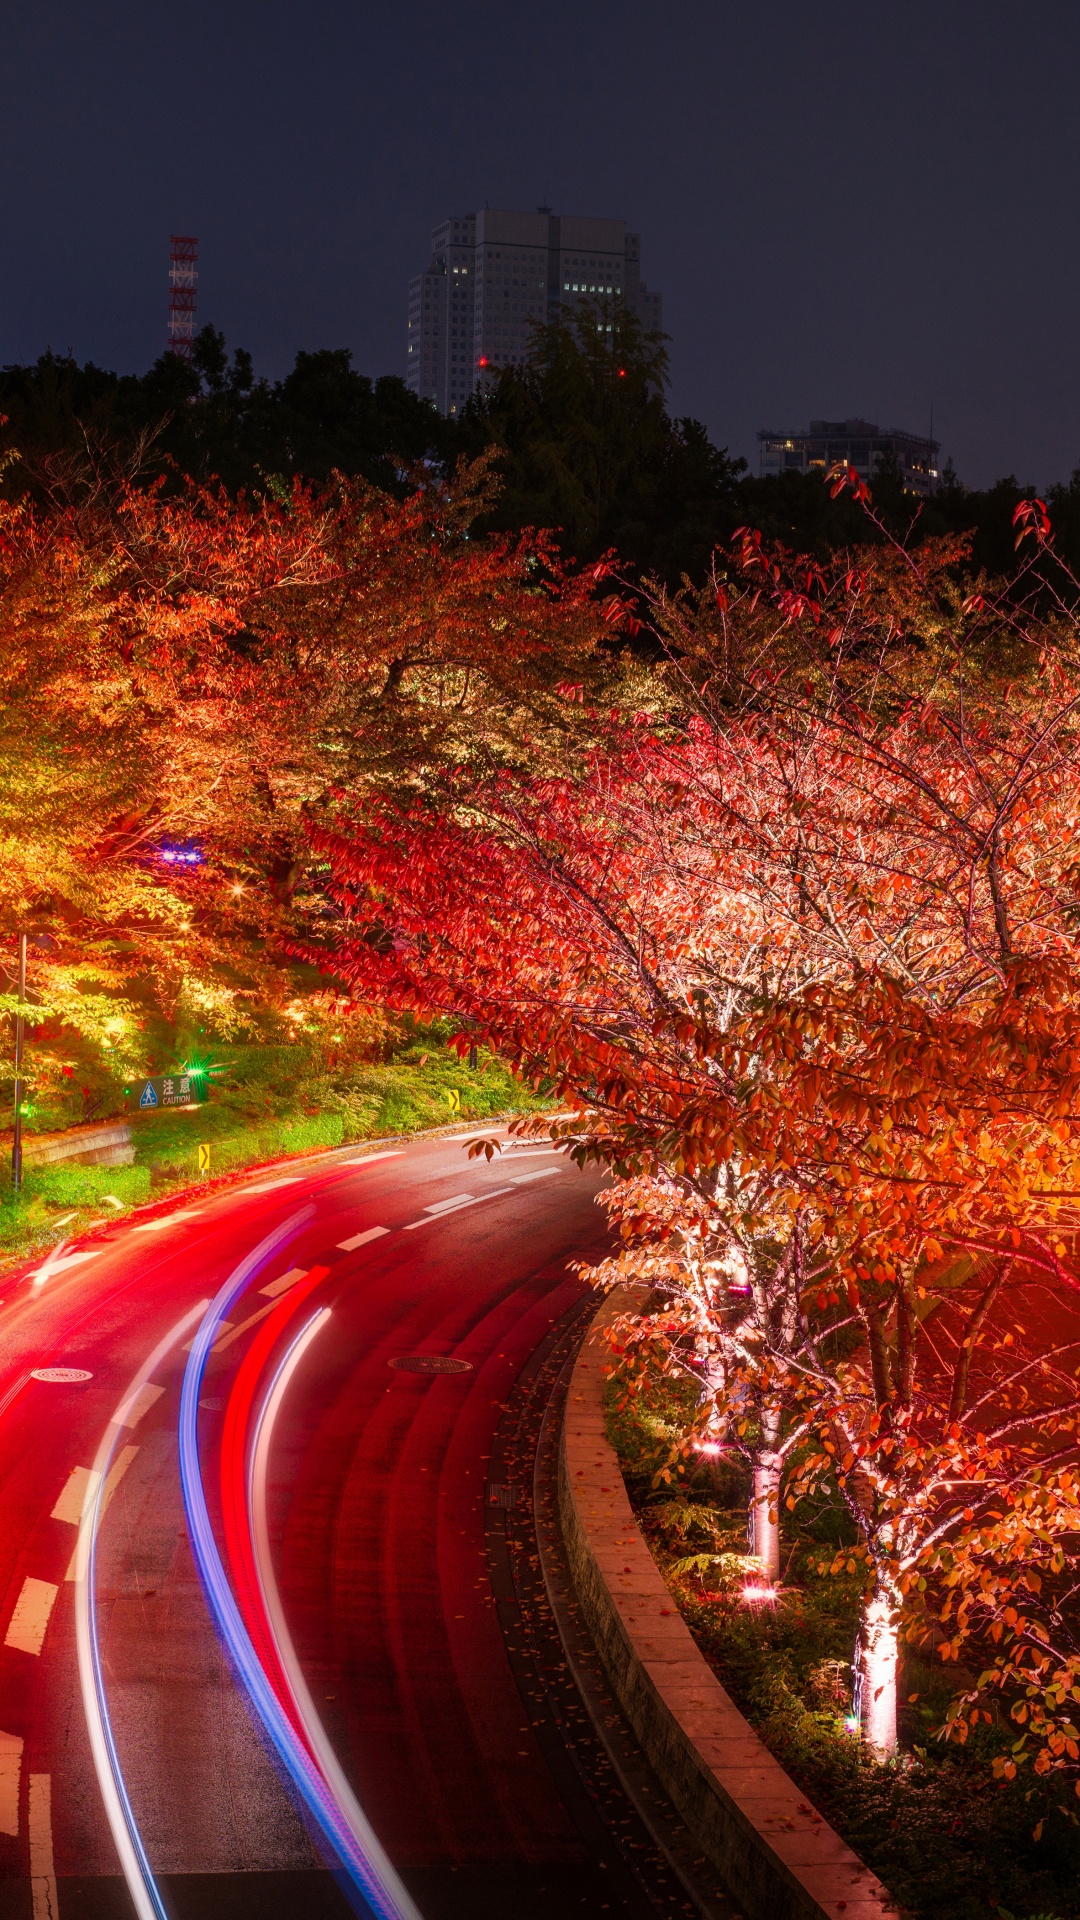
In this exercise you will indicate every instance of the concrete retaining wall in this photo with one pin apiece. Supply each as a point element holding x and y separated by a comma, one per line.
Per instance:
<point>107,1145</point>
<point>780,1859</point>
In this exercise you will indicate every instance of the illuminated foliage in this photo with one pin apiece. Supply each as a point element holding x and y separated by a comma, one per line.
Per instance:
<point>185,679</point>
<point>803,957</point>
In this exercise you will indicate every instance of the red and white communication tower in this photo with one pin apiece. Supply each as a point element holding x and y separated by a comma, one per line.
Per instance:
<point>183,281</point>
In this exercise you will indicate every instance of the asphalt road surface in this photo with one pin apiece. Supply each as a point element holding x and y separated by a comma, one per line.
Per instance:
<point>385,1556</point>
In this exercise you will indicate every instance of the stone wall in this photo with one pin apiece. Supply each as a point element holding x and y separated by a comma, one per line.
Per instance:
<point>779,1858</point>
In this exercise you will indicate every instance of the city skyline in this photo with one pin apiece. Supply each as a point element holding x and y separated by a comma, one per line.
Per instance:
<point>493,274</point>
<point>842,209</point>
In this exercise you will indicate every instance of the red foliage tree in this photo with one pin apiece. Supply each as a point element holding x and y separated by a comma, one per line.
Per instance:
<point>805,954</point>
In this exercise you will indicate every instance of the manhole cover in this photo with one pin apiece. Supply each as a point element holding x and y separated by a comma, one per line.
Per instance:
<point>60,1376</point>
<point>429,1363</point>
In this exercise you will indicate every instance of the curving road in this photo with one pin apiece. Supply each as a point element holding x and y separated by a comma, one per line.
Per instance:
<point>276,1635</point>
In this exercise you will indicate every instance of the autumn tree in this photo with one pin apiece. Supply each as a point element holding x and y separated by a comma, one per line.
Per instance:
<point>186,679</point>
<point>803,957</point>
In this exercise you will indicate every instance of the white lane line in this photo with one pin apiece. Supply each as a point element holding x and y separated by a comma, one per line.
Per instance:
<point>286,1281</point>
<point>11,1750</point>
<point>140,1404</point>
<point>26,1628</point>
<point>538,1173</point>
<point>234,1333</point>
<point>13,1391</point>
<point>455,1200</point>
<point>49,1267</point>
<point>361,1239</point>
<point>458,1206</point>
<point>42,1869</point>
<point>259,1527</point>
<point>69,1506</point>
<point>116,1473</point>
<point>121,1820</point>
<point>267,1186</point>
<point>167,1220</point>
<point>225,1325</point>
<point>366,1159</point>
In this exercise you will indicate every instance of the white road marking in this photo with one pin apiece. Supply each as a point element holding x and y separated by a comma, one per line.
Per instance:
<point>26,1628</point>
<point>332,1772</point>
<point>167,1220</point>
<point>361,1239</point>
<point>267,1186</point>
<point>286,1281</point>
<point>116,1473</point>
<point>450,1207</point>
<point>69,1505</point>
<point>538,1173</point>
<point>456,1200</point>
<point>226,1339</point>
<point>42,1870</point>
<point>65,1260</point>
<point>225,1325</point>
<point>118,1812</point>
<point>365,1159</point>
<point>11,1749</point>
<point>140,1404</point>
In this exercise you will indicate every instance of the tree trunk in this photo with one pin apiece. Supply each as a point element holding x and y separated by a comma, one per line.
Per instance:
<point>765,1514</point>
<point>878,1659</point>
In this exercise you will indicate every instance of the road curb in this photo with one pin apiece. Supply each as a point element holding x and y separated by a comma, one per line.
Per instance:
<point>780,1859</point>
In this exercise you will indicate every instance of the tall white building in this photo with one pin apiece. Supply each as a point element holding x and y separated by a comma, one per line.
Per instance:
<point>491,273</point>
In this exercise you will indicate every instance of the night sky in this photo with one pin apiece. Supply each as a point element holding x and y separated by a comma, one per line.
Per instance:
<point>848,208</point>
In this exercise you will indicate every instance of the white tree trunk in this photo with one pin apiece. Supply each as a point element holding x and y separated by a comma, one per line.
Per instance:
<point>765,1514</point>
<point>878,1660</point>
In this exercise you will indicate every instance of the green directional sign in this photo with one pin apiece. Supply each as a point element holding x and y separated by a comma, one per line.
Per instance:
<point>170,1090</point>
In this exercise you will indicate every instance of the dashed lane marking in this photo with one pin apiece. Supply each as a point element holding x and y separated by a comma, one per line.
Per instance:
<point>42,1869</point>
<point>69,1506</point>
<point>366,1159</point>
<point>361,1239</point>
<point>234,1333</point>
<point>267,1186</point>
<point>49,1267</point>
<point>11,1751</point>
<point>167,1220</point>
<point>444,1208</point>
<point>26,1628</point>
<point>112,1480</point>
<point>224,1324</point>
<point>538,1173</point>
<point>139,1405</point>
<point>283,1284</point>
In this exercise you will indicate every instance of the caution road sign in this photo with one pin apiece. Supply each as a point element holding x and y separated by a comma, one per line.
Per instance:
<point>172,1090</point>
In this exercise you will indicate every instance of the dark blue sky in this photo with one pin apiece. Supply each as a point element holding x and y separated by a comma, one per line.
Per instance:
<point>849,208</point>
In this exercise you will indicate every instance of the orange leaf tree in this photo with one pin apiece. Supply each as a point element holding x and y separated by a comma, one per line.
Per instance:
<point>186,678</point>
<point>804,958</point>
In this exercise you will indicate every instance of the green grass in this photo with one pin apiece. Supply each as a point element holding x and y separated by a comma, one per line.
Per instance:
<point>943,1835</point>
<point>266,1102</point>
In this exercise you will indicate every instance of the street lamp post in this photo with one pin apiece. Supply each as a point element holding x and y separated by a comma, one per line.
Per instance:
<point>16,1144</point>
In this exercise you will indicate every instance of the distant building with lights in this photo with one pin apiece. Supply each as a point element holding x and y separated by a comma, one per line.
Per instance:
<point>493,272</point>
<point>855,443</point>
